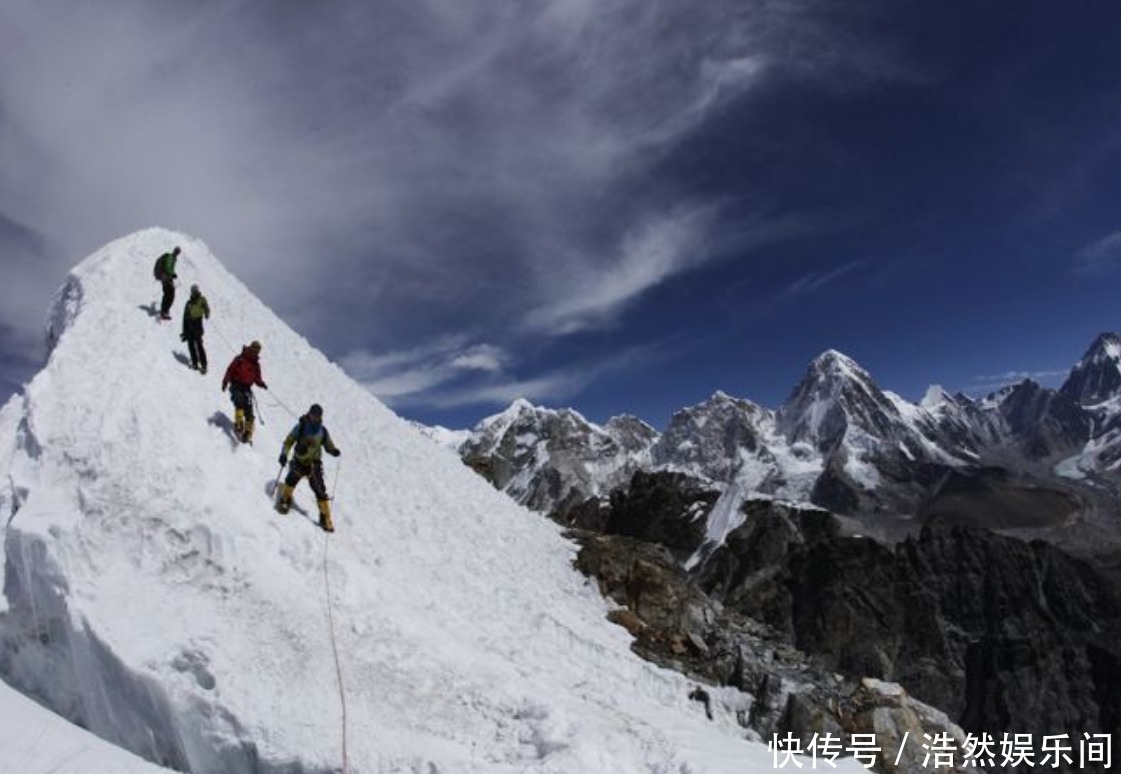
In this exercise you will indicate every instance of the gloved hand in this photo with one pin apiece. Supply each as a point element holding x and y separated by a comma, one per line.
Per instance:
<point>182,337</point>
<point>334,452</point>
<point>283,459</point>
<point>264,386</point>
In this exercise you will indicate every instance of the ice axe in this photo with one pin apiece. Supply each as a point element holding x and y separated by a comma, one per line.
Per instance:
<point>276,483</point>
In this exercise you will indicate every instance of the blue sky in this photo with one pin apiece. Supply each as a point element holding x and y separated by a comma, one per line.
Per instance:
<point>618,205</point>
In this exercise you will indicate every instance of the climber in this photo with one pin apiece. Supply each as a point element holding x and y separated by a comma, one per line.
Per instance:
<point>243,372</point>
<point>194,312</point>
<point>311,439</point>
<point>165,273</point>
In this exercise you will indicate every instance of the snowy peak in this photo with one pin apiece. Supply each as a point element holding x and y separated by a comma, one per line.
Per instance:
<point>837,365</point>
<point>935,398</point>
<point>631,433</point>
<point>549,458</point>
<point>835,394</point>
<point>530,422</point>
<point>708,439</point>
<point>154,597</point>
<point>1105,348</point>
<point>1097,376</point>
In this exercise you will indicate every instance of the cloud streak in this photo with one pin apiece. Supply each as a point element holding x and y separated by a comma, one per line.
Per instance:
<point>992,382</point>
<point>818,280</point>
<point>1101,257</point>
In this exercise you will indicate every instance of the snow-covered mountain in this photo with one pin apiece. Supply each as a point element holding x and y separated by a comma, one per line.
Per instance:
<point>714,439</point>
<point>837,403</point>
<point>546,459</point>
<point>840,442</point>
<point>153,596</point>
<point>1097,376</point>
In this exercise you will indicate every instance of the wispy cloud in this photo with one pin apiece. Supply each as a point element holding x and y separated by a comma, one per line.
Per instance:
<point>990,382</point>
<point>1101,257</point>
<point>482,357</point>
<point>397,375</point>
<point>554,385</point>
<point>817,280</point>
<point>550,387</point>
<point>648,255</point>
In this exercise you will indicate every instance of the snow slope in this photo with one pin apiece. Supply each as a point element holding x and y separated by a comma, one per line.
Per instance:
<point>154,597</point>
<point>34,740</point>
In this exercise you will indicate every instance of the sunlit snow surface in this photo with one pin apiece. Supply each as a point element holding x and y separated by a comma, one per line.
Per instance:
<point>34,740</point>
<point>153,596</point>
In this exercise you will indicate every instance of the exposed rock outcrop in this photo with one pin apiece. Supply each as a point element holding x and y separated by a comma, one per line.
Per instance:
<point>678,626</point>
<point>1003,635</point>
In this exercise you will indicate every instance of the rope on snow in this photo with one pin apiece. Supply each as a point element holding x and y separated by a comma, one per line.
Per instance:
<point>335,651</point>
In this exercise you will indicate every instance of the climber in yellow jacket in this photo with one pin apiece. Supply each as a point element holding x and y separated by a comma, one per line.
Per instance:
<point>310,439</point>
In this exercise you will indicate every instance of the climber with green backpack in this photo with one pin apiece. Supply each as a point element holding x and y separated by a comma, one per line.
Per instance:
<point>164,271</point>
<point>310,439</point>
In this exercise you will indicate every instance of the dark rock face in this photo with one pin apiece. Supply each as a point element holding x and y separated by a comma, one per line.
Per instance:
<point>667,509</point>
<point>1036,625</point>
<point>1003,635</point>
<point>1045,422</point>
<point>993,498</point>
<point>679,627</point>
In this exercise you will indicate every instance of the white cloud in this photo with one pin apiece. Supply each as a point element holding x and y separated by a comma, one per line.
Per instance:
<point>1101,257</point>
<point>992,382</point>
<point>818,280</point>
<point>397,375</point>
<point>430,378</point>
<point>481,357</point>
<point>554,386</point>
<point>550,387</point>
<point>648,255</point>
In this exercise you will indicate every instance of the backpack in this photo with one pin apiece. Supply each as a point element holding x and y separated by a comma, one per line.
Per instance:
<point>157,268</point>
<point>301,432</point>
<point>197,308</point>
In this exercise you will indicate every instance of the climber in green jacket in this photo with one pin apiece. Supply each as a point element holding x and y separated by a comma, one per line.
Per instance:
<point>195,311</point>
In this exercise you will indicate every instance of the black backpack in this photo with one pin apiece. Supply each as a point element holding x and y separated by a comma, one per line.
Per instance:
<point>157,268</point>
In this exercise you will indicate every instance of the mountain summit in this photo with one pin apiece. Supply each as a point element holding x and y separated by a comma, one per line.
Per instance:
<point>1097,376</point>
<point>153,596</point>
<point>835,397</point>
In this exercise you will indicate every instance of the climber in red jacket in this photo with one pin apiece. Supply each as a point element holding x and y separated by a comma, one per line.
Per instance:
<point>242,373</point>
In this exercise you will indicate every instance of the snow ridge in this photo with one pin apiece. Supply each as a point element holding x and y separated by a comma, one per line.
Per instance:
<point>153,596</point>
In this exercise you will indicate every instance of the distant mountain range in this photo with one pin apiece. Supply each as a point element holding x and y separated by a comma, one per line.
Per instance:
<point>881,538</point>
<point>1024,458</point>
